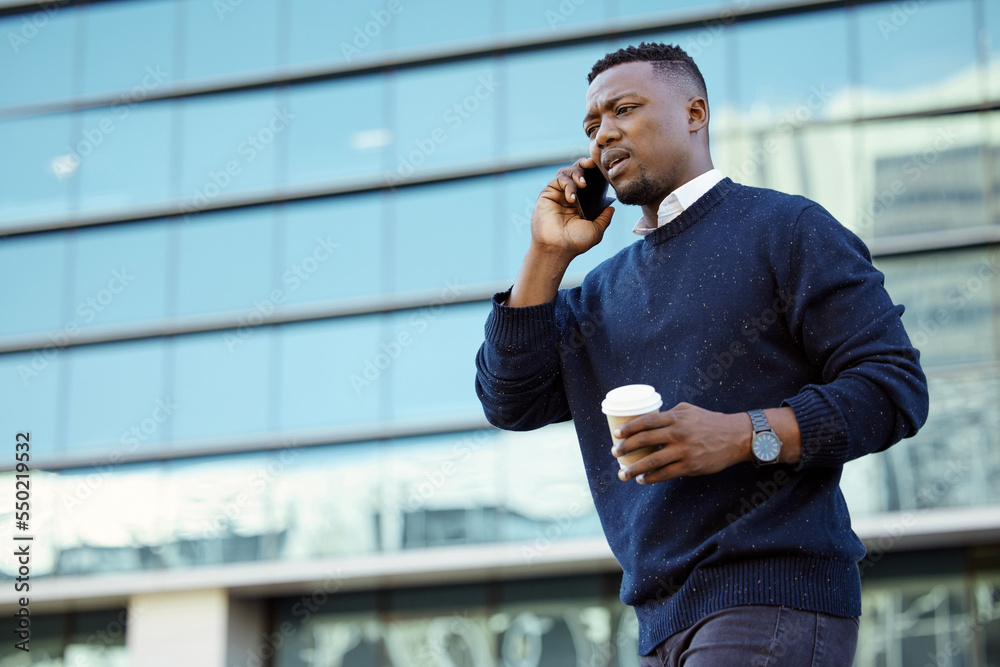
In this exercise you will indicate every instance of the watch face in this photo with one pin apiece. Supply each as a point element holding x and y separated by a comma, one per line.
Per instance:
<point>766,446</point>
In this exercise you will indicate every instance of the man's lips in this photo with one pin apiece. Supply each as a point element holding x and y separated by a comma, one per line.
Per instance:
<point>614,161</point>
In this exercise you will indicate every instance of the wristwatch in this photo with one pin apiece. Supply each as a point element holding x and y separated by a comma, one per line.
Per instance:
<point>765,445</point>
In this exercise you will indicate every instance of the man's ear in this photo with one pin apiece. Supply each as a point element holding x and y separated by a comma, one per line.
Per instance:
<point>697,114</point>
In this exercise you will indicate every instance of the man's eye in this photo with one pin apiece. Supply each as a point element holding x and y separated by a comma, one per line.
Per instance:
<point>590,131</point>
<point>622,110</point>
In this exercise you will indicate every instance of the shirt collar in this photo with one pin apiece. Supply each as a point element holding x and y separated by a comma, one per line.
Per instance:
<point>679,200</point>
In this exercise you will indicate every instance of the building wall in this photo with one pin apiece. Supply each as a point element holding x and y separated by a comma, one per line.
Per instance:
<point>247,250</point>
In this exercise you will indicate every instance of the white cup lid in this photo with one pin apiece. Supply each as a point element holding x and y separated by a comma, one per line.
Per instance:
<point>631,399</point>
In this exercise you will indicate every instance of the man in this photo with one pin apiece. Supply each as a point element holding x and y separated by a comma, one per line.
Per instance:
<point>754,314</point>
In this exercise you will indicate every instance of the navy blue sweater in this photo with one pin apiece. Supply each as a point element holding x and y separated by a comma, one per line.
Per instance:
<point>750,299</point>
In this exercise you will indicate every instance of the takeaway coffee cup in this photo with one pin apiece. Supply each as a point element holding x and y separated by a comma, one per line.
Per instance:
<point>624,403</point>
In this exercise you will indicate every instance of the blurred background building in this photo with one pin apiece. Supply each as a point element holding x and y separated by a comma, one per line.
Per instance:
<point>247,252</point>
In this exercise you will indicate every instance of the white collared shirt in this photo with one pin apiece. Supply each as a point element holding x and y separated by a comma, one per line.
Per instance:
<point>678,200</point>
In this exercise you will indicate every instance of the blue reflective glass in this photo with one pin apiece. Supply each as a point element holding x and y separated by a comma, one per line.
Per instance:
<point>917,55</point>
<point>144,31</point>
<point>225,261</point>
<point>552,15</point>
<point>713,10</point>
<point>230,144</point>
<point>29,383</point>
<point>221,383</point>
<point>120,274</point>
<point>443,235</point>
<point>39,181</point>
<point>37,60</point>
<point>424,24</point>
<point>229,37</point>
<point>445,116</point>
<point>124,155</point>
<point>544,115</point>
<point>991,11</point>
<point>32,276</point>
<point>118,401</point>
<point>339,130</point>
<point>333,249</point>
<point>327,31</point>
<point>775,88</point>
<point>432,355</point>
<point>331,373</point>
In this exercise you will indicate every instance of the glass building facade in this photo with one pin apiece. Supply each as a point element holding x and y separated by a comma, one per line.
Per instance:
<point>247,249</point>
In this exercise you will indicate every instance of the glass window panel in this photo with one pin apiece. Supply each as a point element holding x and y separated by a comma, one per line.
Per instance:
<point>29,394</point>
<point>333,249</point>
<point>425,24</point>
<point>917,56</point>
<point>545,114</point>
<point>38,182</point>
<point>552,496</point>
<point>446,115</point>
<point>443,235</point>
<point>793,91</point>
<point>951,300</point>
<point>221,509</point>
<point>339,130</point>
<point>120,274</point>
<point>143,30</point>
<point>117,397</point>
<point>330,499</point>
<point>221,383</point>
<point>991,13</point>
<point>327,31</point>
<point>442,490</point>
<point>109,519</point>
<point>32,276</point>
<point>123,155</point>
<point>551,15</point>
<point>230,143</point>
<point>432,373</point>
<point>921,175</point>
<point>226,261</point>
<point>712,8</point>
<point>224,38</point>
<point>37,62</point>
<point>325,375</point>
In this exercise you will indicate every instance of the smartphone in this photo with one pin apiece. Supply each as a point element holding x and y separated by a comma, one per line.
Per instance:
<point>593,198</point>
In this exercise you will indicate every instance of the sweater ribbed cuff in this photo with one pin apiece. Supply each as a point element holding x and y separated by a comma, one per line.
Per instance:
<point>526,329</point>
<point>822,429</point>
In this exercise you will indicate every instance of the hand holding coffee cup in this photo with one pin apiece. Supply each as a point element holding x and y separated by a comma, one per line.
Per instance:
<point>628,402</point>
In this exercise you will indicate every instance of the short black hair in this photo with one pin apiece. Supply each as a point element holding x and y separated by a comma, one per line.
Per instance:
<point>670,61</point>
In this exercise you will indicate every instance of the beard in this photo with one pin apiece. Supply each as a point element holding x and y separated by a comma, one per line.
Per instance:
<point>640,191</point>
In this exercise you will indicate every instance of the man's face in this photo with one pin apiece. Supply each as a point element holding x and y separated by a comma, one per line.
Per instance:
<point>638,125</point>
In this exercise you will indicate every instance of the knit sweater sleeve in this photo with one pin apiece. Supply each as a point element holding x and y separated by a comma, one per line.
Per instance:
<point>517,368</point>
<point>873,392</point>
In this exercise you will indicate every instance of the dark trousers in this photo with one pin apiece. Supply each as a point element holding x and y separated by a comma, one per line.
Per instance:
<point>759,636</point>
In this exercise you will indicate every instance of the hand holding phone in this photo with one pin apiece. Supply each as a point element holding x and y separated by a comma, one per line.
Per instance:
<point>593,198</point>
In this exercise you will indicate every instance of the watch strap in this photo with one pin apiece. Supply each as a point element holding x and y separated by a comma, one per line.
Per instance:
<point>759,421</point>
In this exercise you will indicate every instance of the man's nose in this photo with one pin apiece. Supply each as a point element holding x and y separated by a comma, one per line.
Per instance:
<point>607,133</point>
